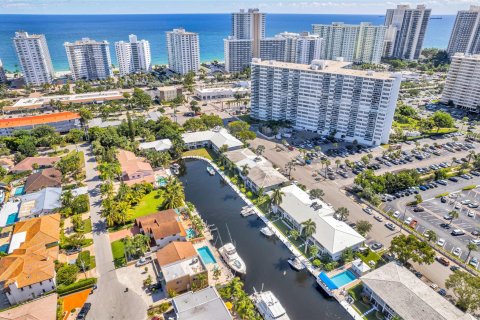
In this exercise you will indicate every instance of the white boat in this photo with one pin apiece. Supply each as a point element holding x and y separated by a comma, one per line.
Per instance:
<point>246,213</point>
<point>268,306</point>
<point>266,231</point>
<point>231,257</point>
<point>211,171</point>
<point>296,264</point>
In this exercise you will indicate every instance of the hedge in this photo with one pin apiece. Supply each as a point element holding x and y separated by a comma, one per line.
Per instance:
<point>469,187</point>
<point>77,286</point>
<point>442,195</point>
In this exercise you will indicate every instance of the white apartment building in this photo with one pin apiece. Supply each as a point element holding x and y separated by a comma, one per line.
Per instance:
<point>34,57</point>
<point>292,47</point>
<point>410,27</point>
<point>183,51</point>
<point>133,56</point>
<point>89,59</point>
<point>326,97</point>
<point>465,37</point>
<point>3,77</point>
<point>462,87</point>
<point>361,43</point>
<point>237,53</point>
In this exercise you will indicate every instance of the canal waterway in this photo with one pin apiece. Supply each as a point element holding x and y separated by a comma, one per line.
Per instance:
<point>266,259</point>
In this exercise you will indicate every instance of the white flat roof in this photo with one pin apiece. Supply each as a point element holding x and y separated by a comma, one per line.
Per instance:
<point>159,145</point>
<point>26,102</point>
<point>179,269</point>
<point>16,241</point>
<point>222,90</point>
<point>218,137</point>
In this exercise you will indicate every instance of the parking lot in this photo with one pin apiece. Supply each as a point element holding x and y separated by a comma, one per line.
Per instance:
<point>435,215</point>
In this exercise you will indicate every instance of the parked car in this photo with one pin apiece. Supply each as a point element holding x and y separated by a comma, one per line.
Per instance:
<point>442,292</point>
<point>408,220</point>
<point>378,218</point>
<point>396,214</point>
<point>457,232</point>
<point>376,246</point>
<point>84,311</point>
<point>453,179</point>
<point>390,226</point>
<point>444,261</point>
<point>418,209</point>
<point>474,261</point>
<point>441,242</point>
<point>445,226</point>
<point>143,261</point>
<point>367,210</point>
<point>454,268</point>
<point>457,252</point>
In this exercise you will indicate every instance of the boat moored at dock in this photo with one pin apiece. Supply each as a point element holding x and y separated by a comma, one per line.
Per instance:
<point>232,258</point>
<point>269,306</point>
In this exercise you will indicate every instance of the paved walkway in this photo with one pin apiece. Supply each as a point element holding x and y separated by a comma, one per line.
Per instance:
<point>120,234</point>
<point>109,301</point>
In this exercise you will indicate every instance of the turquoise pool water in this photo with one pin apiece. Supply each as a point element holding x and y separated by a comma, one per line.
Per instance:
<point>191,233</point>
<point>12,218</point>
<point>4,248</point>
<point>206,255</point>
<point>19,191</point>
<point>343,278</point>
<point>162,182</point>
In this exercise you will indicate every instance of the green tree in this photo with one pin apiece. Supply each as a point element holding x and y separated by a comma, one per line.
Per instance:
<point>317,193</point>
<point>442,119</point>
<point>342,213</point>
<point>470,247</point>
<point>431,235</point>
<point>309,227</point>
<point>407,248</point>
<point>277,197</point>
<point>453,215</point>
<point>364,227</point>
<point>293,234</point>
<point>67,274</point>
<point>466,288</point>
<point>141,99</point>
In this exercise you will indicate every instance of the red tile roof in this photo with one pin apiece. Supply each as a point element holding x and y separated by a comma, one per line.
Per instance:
<point>38,120</point>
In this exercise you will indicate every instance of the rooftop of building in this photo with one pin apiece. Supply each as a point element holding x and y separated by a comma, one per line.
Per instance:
<point>409,296</point>
<point>49,177</point>
<point>217,136</point>
<point>38,120</point>
<point>75,98</point>
<point>205,304</point>
<point>158,145</point>
<point>47,199</point>
<point>27,163</point>
<point>326,66</point>
<point>44,308</point>
<point>161,224</point>
<point>174,252</point>
<point>84,41</point>
<point>222,89</point>
<point>130,163</point>
<point>182,31</point>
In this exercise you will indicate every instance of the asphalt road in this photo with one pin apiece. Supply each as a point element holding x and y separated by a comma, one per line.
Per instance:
<point>109,301</point>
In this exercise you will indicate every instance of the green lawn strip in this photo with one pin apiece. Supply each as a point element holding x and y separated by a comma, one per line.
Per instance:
<point>469,187</point>
<point>93,264</point>
<point>371,256</point>
<point>87,226</point>
<point>442,195</point>
<point>149,204</point>
<point>118,251</point>
<point>284,229</point>
<point>202,152</point>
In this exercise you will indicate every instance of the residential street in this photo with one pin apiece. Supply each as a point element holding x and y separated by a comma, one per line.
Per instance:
<point>109,301</point>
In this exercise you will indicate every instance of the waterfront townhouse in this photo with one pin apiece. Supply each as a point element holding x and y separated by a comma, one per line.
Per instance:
<point>89,59</point>
<point>163,227</point>
<point>256,171</point>
<point>134,169</point>
<point>205,304</point>
<point>183,51</point>
<point>215,138</point>
<point>326,97</point>
<point>29,270</point>
<point>362,43</point>
<point>34,57</point>
<point>332,236</point>
<point>62,122</point>
<point>181,267</point>
<point>462,87</point>
<point>465,37</point>
<point>407,31</point>
<point>133,56</point>
<point>396,291</point>
<point>40,203</point>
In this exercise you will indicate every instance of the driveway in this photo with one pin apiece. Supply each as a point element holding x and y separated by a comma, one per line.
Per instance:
<point>109,301</point>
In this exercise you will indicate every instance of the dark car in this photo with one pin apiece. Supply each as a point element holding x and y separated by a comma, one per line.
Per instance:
<point>443,199</point>
<point>442,292</point>
<point>376,246</point>
<point>418,274</point>
<point>445,226</point>
<point>454,268</point>
<point>453,179</point>
<point>476,233</point>
<point>418,209</point>
<point>83,313</point>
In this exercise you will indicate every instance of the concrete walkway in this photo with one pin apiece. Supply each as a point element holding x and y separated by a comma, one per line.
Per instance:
<point>109,301</point>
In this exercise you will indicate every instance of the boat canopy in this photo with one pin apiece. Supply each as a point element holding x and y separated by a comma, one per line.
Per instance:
<point>325,279</point>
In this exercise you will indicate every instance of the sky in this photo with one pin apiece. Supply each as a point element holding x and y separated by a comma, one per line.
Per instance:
<point>439,7</point>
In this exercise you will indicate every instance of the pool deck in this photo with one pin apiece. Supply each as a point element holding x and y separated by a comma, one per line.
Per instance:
<point>226,274</point>
<point>340,297</point>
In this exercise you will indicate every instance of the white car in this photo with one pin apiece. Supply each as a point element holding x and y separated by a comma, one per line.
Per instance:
<point>367,210</point>
<point>378,218</point>
<point>475,241</point>
<point>408,220</point>
<point>457,252</point>
<point>458,205</point>
<point>441,242</point>
<point>396,214</point>
<point>470,213</point>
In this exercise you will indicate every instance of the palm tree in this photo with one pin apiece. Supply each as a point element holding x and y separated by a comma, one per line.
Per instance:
<point>471,247</point>
<point>364,227</point>
<point>471,155</point>
<point>289,167</point>
<point>431,235</point>
<point>453,215</point>
<point>327,164</point>
<point>276,197</point>
<point>309,228</point>
<point>293,234</point>
<point>141,243</point>
<point>342,213</point>
<point>338,162</point>
<point>245,170</point>
<point>174,195</point>
<point>129,247</point>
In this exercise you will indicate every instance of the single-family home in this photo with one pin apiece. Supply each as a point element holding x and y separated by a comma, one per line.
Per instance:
<point>134,169</point>
<point>215,139</point>
<point>158,145</point>
<point>28,163</point>
<point>163,227</point>
<point>331,236</point>
<point>205,304</point>
<point>40,203</point>
<point>396,291</point>
<point>49,177</point>
<point>29,270</point>
<point>181,267</point>
<point>44,308</point>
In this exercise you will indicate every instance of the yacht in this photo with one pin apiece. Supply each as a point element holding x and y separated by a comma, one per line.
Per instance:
<point>231,257</point>
<point>266,231</point>
<point>211,171</point>
<point>268,306</point>
<point>296,264</point>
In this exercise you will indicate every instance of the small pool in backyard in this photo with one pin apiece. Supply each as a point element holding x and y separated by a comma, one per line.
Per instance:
<point>12,218</point>
<point>162,182</point>
<point>338,280</point>
<point>191,233</point>
<point>19,191</point>
<point>206,255</point>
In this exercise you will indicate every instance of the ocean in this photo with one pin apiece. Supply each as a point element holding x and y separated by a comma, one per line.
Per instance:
<point>212,28</point>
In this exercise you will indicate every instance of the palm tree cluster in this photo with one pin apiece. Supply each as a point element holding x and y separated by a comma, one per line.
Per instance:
<point>233,292</point>
<point>136,246</point>
<point>174,195</point>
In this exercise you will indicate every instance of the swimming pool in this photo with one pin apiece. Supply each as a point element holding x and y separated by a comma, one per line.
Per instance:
<point>162,182</point>
<point>206,255</point>
<point>343,278</point>
<point>191,233</point>
<point>12,218</point>
<point>19,191</point>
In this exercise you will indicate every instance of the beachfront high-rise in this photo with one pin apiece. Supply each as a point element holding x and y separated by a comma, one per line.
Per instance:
<point>248,29</point>
<point>361,43</point>
<point>3,77</point>
<point>407,31</point>
<point>183,51</point>
<point>133,56</point>
<point>34,57</point>
<point>327,98</point>
<point>465,37</point>
<point>291,47</point>
<point>89,59</point>
<point>462,87</point>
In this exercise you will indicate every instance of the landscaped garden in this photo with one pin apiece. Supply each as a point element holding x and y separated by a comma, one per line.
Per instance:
<point>118,251</point>
<point>202,152</point>
<point>149,204</point>
<point>362,305</point>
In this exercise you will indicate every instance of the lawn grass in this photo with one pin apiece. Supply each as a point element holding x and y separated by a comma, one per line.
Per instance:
<point>371,256</point>
<point>149,204</point>
<point>87,226</point>
<point>118,251</point>
<point>442,195</point>
<point>359,305</point>
<point>283,228</point>
<point>202,152</point>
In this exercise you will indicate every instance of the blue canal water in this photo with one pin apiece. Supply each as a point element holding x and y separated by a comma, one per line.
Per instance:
<point>212,29</point>
<point>266,259</point>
